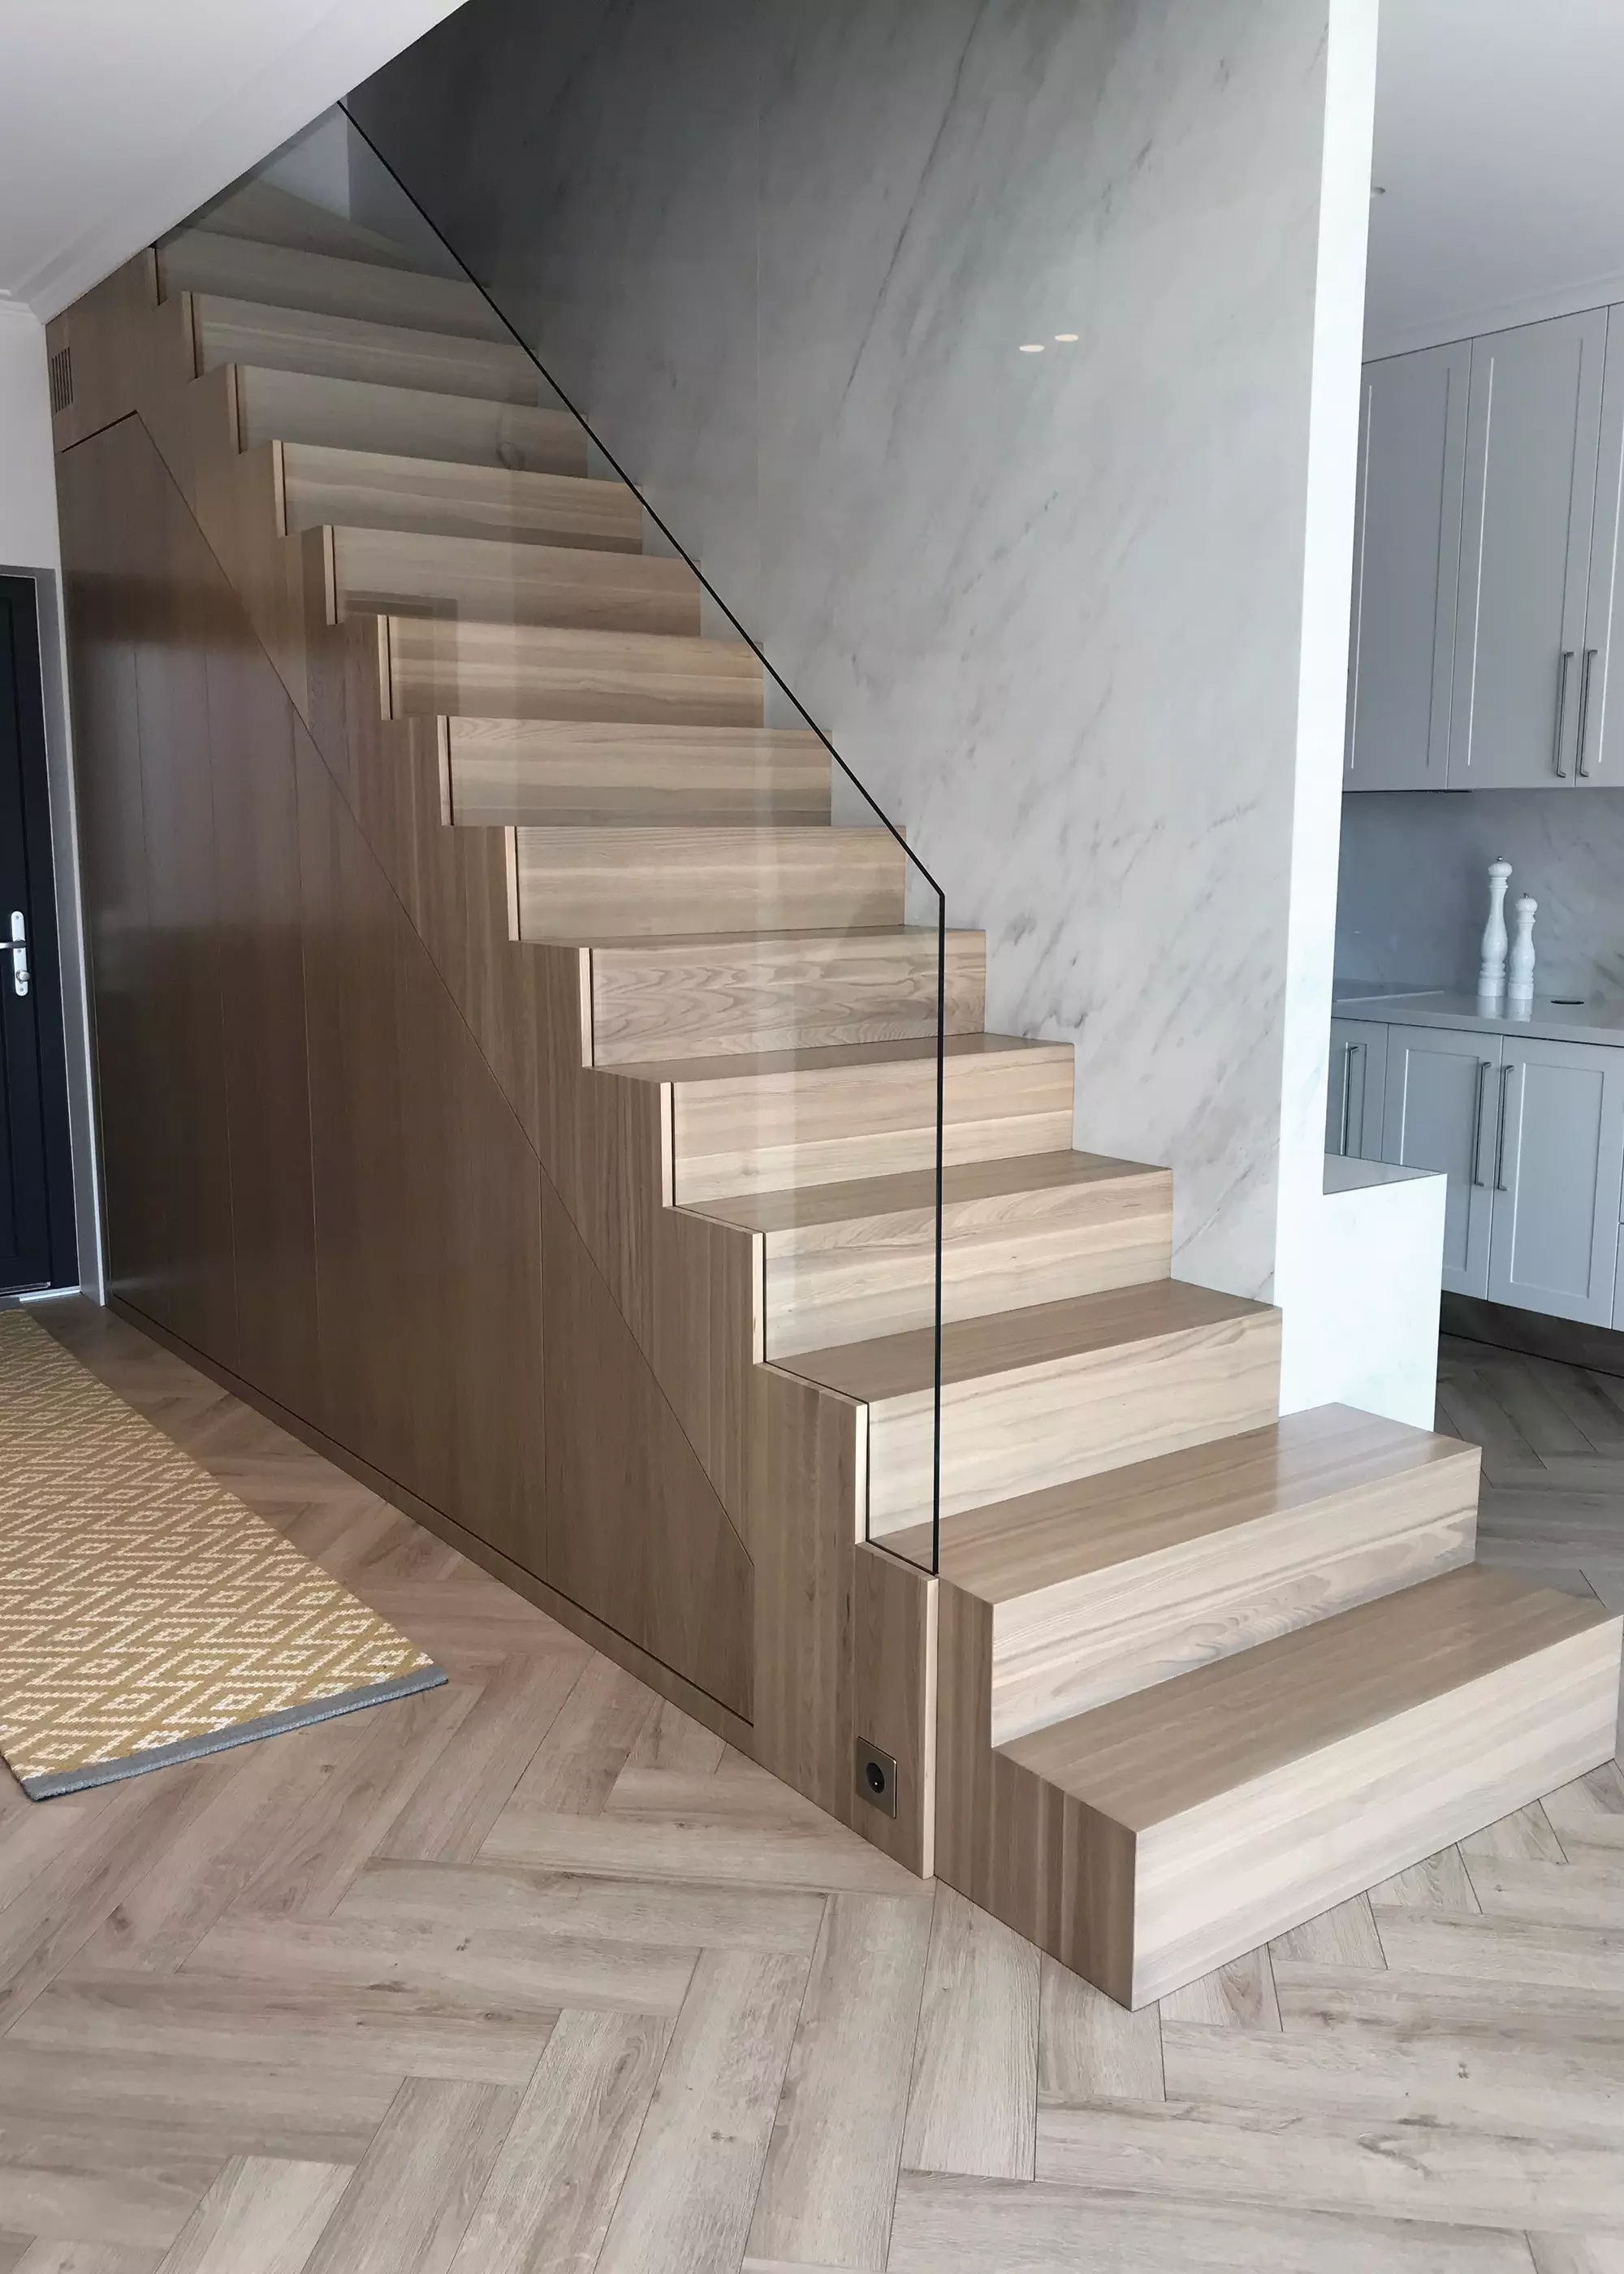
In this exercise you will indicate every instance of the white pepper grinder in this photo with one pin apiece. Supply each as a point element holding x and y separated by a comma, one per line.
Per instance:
<point>1492,969</point>
<point>1520,963</point>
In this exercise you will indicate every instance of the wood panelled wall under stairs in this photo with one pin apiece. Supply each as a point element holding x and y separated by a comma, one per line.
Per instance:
<point>509,1076</point>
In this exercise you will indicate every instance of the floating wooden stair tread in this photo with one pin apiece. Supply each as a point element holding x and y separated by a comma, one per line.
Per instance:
<point>548,771</point>
<point>757,1119</point>
<point>766,991</point>
<point>1095,1524</point>
<point>1220,1807</point>
<point>498,583</point>
<point>965,1184</point>
<point>269,215</point>
<point>372,489</point>
<point>581,885</point>
<point>973,1350</point>
<point>1103,1585</point>
<point>1033,1397</point>
<point>530,670</point>
<point>347,347</point>
<point>294,406</point>
<point>325,283</point>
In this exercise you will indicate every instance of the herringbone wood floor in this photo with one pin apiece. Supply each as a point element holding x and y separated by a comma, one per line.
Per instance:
<point>531,1973</point>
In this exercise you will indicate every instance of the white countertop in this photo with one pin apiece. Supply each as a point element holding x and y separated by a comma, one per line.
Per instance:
<point>1596,1020</point>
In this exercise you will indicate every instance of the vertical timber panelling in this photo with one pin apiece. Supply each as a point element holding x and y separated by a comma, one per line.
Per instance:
<point>262,990</point>
<point>635,1531</point>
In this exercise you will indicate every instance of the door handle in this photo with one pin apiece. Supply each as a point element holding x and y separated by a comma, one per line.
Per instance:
<point>1557,767</point>
<point>19,953</point>
<point>1580,768</point>
<point>1477,1152</point>
<point>1500,1186</point>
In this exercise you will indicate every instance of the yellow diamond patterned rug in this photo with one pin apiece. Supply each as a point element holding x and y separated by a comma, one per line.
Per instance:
<point>146,1616</point>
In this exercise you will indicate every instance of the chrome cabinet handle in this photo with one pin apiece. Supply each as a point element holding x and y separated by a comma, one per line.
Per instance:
<point>1348,1051</point>
<point>1500,1186</point>
<point>1477,1153</point>
<point>1557,766</point>
<point>19,953</point>
<point>1580,768</point>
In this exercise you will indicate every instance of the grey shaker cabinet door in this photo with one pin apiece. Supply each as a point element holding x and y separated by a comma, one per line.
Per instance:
<point>1559,1163</point>
<point>1599,727</point>
<point>1406,569</point>
<point>1439,1115</point>
<point>1533,435</point>
<point>1354,1094</point>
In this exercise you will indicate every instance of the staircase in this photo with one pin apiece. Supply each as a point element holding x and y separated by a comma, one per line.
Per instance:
<point>1189,1672</point>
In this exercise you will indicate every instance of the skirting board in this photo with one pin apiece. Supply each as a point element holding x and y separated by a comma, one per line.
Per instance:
<point>1567,1341</point>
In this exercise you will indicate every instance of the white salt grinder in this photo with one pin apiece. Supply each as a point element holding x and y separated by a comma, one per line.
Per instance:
<point>1520,963</point>
<point>1492,970</point>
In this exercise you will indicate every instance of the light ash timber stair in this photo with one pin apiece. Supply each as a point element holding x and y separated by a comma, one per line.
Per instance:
<point>1199,1671</point>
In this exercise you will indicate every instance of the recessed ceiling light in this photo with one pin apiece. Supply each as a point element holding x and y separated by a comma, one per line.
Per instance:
<point>1033,347</point>
<point>1068,337</point>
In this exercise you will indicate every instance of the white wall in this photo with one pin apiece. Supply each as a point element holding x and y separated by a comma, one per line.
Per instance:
<point>784,256</point>
<point>29,546</point>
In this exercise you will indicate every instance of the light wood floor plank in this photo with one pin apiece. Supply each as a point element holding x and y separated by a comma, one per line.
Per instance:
<point>1578,2253</point>
<point>498,1899</point>
<point>450,1969</point>
<point>684,2207</point>
<point>832,2168</point>
<point>1438,1882</point>
<point>1415,2010</point>
<point>1344,1936</point>
<point>1287,2159</point>
<point>1239,1996</point>
<point>453,1807</point>
<point>573,1770</point>
<point>206,2018</point>
<point>19,2256</point>
<point>409,2204</point>
<point>979,2226</point>
<point>1527,1835</point>
<point>1590,1813</point>
<point>260,2218</point>
<point>1089,2047</point>
<point>974,2102</point>
<point>546,2205</point>
<point>83,2195</point>
<point>1506,1949</point>
<point>1587,1892</point>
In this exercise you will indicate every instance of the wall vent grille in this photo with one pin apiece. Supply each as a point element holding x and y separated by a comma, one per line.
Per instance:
<point>62,379</point>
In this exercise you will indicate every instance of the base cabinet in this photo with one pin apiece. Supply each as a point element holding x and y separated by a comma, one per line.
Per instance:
<point>1559,1157</point>
<point>1530,1136</point>
<point>1439,1115</point>
<point>1354,1095</point>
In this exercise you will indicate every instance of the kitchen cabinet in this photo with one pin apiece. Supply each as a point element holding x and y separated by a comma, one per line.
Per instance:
<point>1524,666</point>
<point>1440,1092</point>
<point>1356,1090</point>
<point>1599,763</point>
<point>1558,1167</point>
<point>1406,569</point>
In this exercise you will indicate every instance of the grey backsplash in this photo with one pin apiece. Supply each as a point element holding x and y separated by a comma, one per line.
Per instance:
<point>1413,893</point>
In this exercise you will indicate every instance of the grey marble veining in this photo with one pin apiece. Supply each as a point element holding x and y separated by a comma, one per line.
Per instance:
<point>1413,893</point>
<point>783,253</point>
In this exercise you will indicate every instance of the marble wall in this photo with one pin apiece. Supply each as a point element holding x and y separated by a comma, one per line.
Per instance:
<point>783,255</point>
<point>1413,894</point>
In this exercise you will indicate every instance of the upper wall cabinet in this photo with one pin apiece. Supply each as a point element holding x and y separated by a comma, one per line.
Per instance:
<point>1488,603</point>
<point>1533,430</point>
<point>1406,569</point>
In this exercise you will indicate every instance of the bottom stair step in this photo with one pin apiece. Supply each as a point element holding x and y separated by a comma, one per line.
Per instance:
<point>1152,1839</point>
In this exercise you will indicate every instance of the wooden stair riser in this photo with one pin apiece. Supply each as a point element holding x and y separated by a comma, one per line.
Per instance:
<point>437,667</point>
<point>565,773</point>
<point>299,407</point>
<point>783,993</point>
<point>364,489</point>
<point>325,283</point>
<point>764,1132</point>
<point>1219,1881</point>
<point>1065,1649</point>
<point>1018,1430</point>
<point>584,884</point>
<point>341,347</point>
<point>838,1282</point>
<point>264,213</point>
<point>376,571</point>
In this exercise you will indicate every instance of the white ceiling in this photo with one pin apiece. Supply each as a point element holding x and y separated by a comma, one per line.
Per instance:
<point>1499,144</point>
<point>117,119</point>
